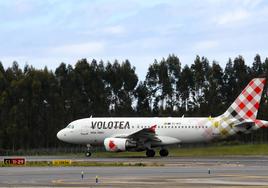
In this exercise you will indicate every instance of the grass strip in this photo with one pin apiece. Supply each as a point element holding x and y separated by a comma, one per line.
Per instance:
<point>217,150</point>
<point>83,164</point>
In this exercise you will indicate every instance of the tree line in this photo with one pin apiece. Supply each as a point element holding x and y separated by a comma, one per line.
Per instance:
<point>36,103</point>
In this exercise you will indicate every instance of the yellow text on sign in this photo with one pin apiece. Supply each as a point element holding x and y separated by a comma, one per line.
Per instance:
<point>61,162</point>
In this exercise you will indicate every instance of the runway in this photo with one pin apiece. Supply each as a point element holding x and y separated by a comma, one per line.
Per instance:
<point>176,172</point>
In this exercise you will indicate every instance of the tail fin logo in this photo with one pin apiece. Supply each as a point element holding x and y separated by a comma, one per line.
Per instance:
<point>247,103</point>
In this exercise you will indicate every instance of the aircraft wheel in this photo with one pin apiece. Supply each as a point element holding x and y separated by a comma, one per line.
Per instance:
<point>150,153</point>
<point>88,154</point>
<point>163,152</point>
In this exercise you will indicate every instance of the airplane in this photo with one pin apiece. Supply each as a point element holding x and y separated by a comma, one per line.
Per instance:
<point>119,134</point>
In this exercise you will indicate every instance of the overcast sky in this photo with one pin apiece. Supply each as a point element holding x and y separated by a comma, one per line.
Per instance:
<point>48,32</point>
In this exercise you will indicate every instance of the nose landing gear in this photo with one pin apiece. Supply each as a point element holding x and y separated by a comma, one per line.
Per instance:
<point>88,152</point>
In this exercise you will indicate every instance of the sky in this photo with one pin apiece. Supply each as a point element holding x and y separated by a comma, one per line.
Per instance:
<point>47,32</point>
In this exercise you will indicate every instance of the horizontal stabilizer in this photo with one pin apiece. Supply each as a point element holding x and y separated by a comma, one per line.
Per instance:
<point>261,123</point>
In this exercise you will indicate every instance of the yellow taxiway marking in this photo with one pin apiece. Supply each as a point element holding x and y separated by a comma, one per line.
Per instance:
<point>57,181</point>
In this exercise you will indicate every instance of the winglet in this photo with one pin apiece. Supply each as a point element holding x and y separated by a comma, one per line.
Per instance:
<point>152,128</point>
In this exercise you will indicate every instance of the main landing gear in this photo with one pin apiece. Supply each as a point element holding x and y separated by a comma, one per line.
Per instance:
<point>88,152</point>
<point>162,153</point>
<point>150,153</point>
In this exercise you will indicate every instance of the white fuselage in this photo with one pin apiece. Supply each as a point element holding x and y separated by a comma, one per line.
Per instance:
<point>94,130</point>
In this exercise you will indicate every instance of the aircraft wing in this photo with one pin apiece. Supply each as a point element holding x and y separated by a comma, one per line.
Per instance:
<point>146,134</point>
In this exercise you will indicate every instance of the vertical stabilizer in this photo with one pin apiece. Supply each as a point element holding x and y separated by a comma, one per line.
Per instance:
<point>247,103</point>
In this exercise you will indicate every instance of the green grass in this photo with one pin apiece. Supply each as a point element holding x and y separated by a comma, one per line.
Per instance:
<point>212,150</point>
<point>249,149</point>
<point>229,150</point>
<point>83,163</point>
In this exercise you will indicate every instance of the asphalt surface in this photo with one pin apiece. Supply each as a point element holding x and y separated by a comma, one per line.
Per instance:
<point>176,172</point>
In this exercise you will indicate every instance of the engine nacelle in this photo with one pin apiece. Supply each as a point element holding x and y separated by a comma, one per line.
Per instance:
<point>118,144</point>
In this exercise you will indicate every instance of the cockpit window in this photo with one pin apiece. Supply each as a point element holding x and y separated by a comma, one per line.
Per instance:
<point>70,126</point>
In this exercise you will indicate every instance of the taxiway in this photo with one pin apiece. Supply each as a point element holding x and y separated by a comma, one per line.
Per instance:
<point>176,172</point>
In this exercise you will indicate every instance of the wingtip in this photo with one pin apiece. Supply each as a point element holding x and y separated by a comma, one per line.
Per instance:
<point>152,128</point>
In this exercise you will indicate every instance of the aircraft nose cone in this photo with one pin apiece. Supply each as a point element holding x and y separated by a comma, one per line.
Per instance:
<point>60,135</point>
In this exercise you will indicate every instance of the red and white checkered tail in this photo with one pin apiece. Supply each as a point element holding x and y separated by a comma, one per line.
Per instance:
<point>247,103</point>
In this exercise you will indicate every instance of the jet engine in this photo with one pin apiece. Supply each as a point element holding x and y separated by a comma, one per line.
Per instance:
<point>119,144</point>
